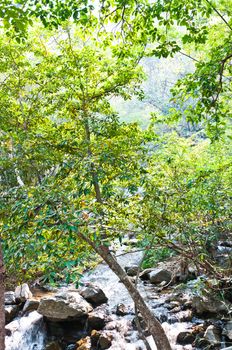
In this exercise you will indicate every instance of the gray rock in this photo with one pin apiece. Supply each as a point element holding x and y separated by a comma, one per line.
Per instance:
<point>185,316</point>
<point>144,275</point>
<point>64,306</point>
<point>11,311</point>
<point>159,275</point>
<point>227,330</point>
<point>97,320</point>
<point>185,338</point>
<point>121,310</point>
<point>105,341</point>
<point>93,294</point>
<point>203,305</point>
<point>31,305</point>
<point>10,298</point>
<point>172,305</point>
<point>212,335</point>
<point>132,270</point>
<point>22,293</point>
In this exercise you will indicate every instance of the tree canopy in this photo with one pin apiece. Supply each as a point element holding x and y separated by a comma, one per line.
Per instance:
<point>74,177</point>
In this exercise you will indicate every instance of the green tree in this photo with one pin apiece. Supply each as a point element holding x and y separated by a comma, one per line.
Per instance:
<point>187,199</point>
<point>60,107</point>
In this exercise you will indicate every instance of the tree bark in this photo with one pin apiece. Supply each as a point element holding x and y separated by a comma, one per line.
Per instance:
<point>153,325</point>
<point>92,166</point>
<point>2,301</point>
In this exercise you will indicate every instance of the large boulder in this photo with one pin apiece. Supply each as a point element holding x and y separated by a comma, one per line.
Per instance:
<point>10,298</point>
<point>64,306</point>
<point>93,294</point>
<point>157,276</point>
<point>204,305</point>
<point>212,335</point>
<point>22,293</point>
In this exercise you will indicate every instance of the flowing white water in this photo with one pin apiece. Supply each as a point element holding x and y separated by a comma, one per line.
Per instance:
<point>27,333</point>
<point>127,339</point>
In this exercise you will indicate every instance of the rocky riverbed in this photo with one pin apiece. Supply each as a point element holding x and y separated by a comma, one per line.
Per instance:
<point>100,314</point>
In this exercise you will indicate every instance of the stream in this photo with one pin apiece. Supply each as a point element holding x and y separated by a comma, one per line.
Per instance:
<point>29,331</point>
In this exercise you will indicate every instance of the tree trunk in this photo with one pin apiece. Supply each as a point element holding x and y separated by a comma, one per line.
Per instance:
<point>92,166</point>
<point>153,325</point>
<point>2,301</point>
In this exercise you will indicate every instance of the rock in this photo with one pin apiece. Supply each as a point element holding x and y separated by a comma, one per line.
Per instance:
<point>11,312</point>
<point>93,294</point>
<point>192,270</point>
<point>185,338</point>
<point>132,270</point>
<point>224,260</point>
<point>12,327</point>
<point>110,326</point>
<point>10,298</point>
<point>64,306</point>
<point>172,305</point>
<point>203,305</point>
<point>95,335</point>
<point>227,330</point>
<point>159,275</point>
<point>144,275</point>
<point>187,304</point>
<point>68,331</point>
<point>84,344</point>
<point>31,305</point>
<point>97,320</point>
<point>181,298</point>
<point>121,310</point>
<point>16,324</point>
<point>185,316</point>
<point>22,293</point>
<point>105,341</point>
<point>162,284</point>
<point>212,335</point>
<point>176,309</point>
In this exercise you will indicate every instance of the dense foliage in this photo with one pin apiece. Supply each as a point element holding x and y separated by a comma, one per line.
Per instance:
<point>186,204</point>
<point>69,167</point>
